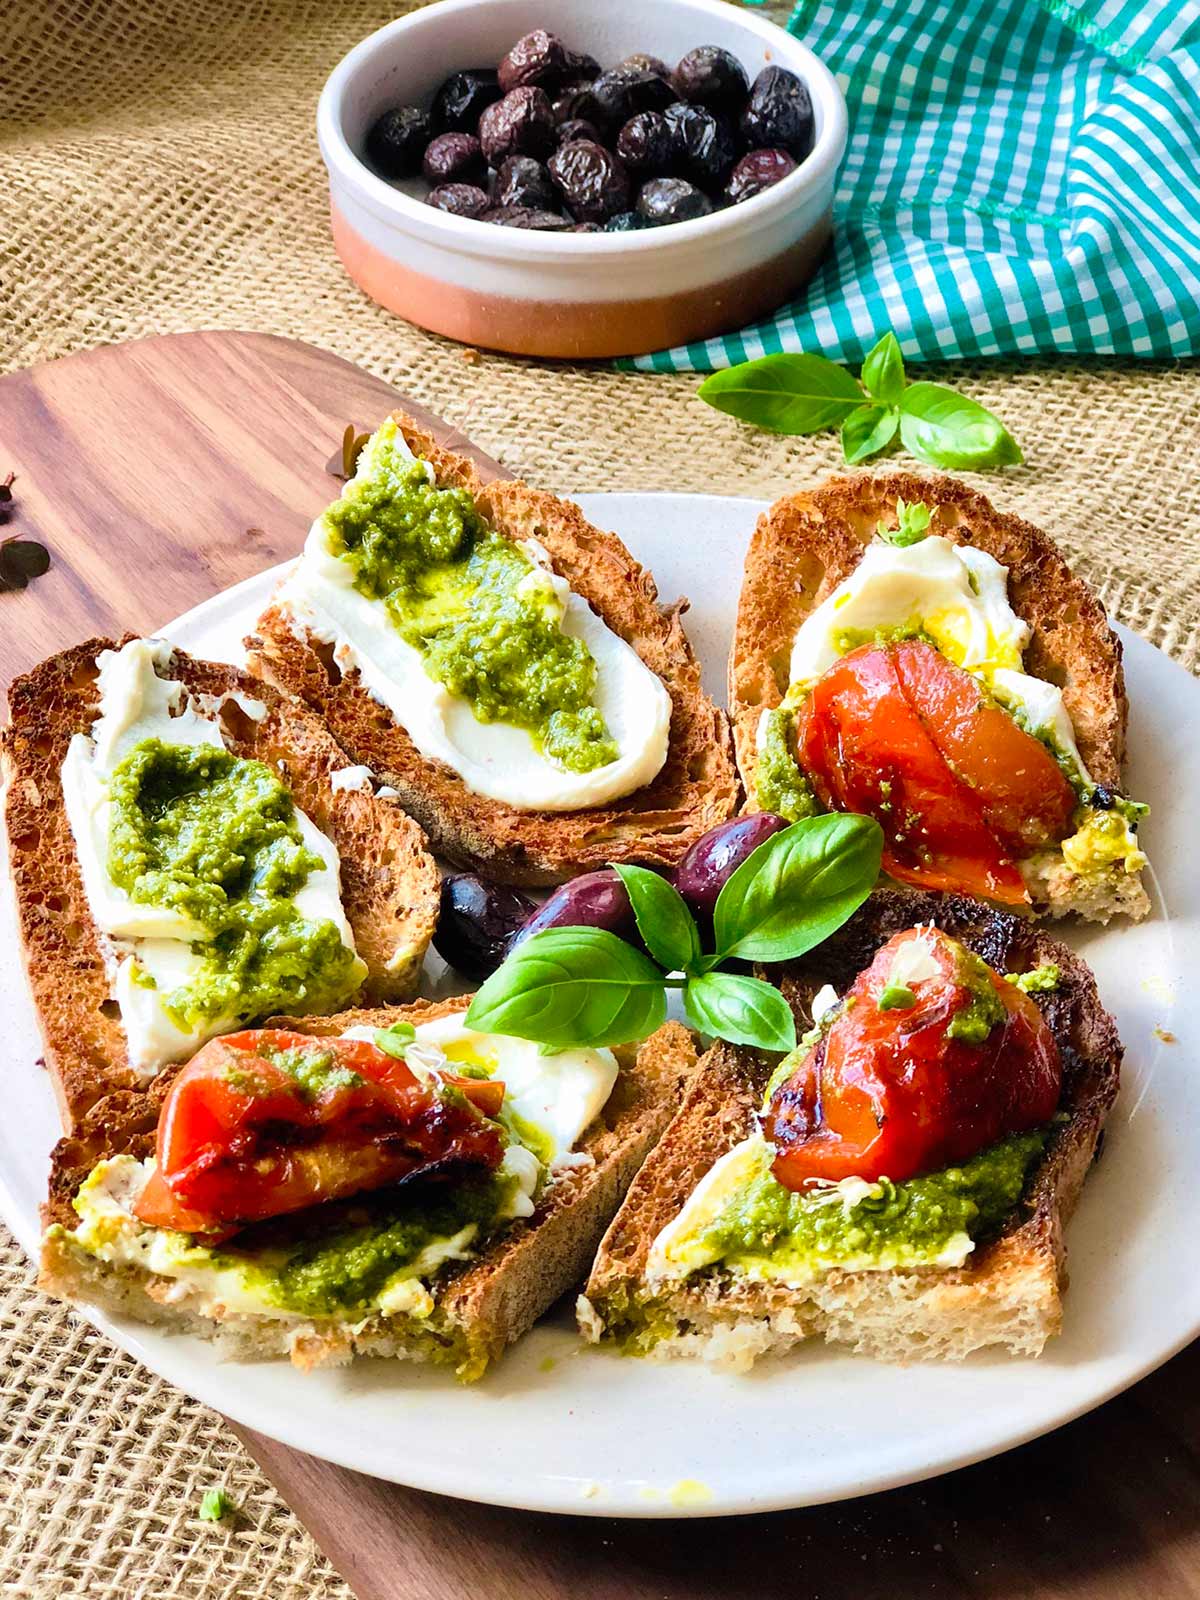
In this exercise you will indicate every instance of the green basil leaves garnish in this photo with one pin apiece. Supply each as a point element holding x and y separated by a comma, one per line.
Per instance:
<point>805,393</point>
<point>572,986</point>
<point>585,986</point>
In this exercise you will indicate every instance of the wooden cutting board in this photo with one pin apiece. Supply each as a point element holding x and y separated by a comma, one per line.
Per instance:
<point>161,472</point>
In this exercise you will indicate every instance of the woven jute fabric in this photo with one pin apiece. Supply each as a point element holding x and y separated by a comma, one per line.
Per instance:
<point>159,172</point>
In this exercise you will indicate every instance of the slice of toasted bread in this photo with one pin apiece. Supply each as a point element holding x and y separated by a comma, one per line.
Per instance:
<point>389,881</point>
<point>480,1305</point>
<point>1010,1294</point>
<point>696,788</point>
<point>806,544</point>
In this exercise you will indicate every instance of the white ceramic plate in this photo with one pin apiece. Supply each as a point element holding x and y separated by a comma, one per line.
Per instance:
<point>558,1427</point>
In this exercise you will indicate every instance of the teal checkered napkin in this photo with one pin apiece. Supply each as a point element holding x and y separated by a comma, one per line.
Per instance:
<point>1022,176</point>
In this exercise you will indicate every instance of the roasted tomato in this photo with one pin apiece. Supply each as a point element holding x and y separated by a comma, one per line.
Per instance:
<point>902,1088</point>
<point>267,1122</point>
<point>898,732</point>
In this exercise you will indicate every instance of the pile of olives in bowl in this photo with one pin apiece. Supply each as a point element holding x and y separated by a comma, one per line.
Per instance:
<point>550,140</point>
<point>480,923</point>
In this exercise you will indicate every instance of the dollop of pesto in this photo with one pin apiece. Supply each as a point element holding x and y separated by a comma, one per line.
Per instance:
<point>767,1230</point>
<point>779,783</point>
<point>973,1022</point>
<point>485,619</point>
<point>201,831</point>
<point>1038,980</point>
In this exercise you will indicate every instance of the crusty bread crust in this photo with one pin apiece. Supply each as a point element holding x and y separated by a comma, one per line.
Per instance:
<point>481,1305</point>
<point>696,788</point>
<point>1011,1292</point>
<point>389,881</point>
<point>808,543</point>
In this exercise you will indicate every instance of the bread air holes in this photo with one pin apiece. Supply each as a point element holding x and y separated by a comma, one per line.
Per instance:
<point>111,1010</point>
<point>237,726</point>
<point>26,843</point>
<point>325,655</point>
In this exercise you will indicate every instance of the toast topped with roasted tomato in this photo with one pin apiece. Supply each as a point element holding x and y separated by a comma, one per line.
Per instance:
<point>905,651</point>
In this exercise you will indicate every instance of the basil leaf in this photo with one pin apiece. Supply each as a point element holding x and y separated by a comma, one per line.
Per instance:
<point>883,371</point>
<point>572,986</point>
<point>785,393</point>
<point>867,431</point>
<point>797,888</point>
<point>948,430</point>
<point>663,919</point>
<point>741,1010</point>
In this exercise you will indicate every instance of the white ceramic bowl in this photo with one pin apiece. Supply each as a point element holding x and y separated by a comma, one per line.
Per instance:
<point>571,295</point>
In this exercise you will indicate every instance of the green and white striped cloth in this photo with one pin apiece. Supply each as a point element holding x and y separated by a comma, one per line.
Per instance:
<point>1022,176</point>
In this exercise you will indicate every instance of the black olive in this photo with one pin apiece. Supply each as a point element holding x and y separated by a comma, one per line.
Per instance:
<point>1102,797</point>
<point>460,199</point>
<point>708,147</point>
<point>622,92</point>
<point>759,170</point>
<point>665,200</point>
<point>522,124</point>
<point>709,76</point>
<point>396,141</point>
<point>477,922</point>
<point>454,158</point>
<point>641,62</point>
<point>626,222</point>
<point>778,114</point>
<point>591,180</point>
<point>649,145</point>
<point>527,217</point>
<point>463,98</point>
<point>522,181</point>
<point>540,60</point>
<point>578,128</point>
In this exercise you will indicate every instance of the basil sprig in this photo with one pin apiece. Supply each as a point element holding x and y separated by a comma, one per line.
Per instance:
<point>805,393</point>
<point>585,986</point>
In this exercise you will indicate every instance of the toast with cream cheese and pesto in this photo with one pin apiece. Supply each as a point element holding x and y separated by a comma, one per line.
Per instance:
<point>189,852</point>
<point>449,1266</point>
<point>503,665</point>
<point>903,648</point>
<point>712,1257</point>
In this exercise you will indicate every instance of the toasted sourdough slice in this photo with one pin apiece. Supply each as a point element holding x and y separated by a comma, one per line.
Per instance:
<point>696,788</point>
<point>389,881</point>
<point>1009,1295</point>
<point>480,1306</point>
<point>806,544</point>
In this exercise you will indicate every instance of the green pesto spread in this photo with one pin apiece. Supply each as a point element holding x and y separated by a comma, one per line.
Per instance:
<point>484,618</point>
<point>314,1071</point>
<point>780,785</point>
<point>1038,980</point>
<point>767,1230</point>
<point>847,639</point>
<point>973,1022</point>
<point>198,830</point>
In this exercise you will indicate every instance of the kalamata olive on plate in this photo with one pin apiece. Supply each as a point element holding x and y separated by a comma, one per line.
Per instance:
<point>778,114</point>
<point>626,222</point>
<point>591,180</point>
<point>622,92</point>
<point>522,124</point>
<point>672,200</point>
<point>528,217</point>
<point>454,158</point>
<point>578,128</point>
<point>648,145</point>
<point>707,145</point>
<point>703,872</point>
<point>759,170</point>
<point>396,141</point>
<point>477,922</point>
<point>709,76</point>
<point>595,900</point>
<point>460,199</point>
<point>463,98</point>
<point>522,181</point>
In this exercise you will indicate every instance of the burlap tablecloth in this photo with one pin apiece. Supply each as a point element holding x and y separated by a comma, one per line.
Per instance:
<point>159,172</point>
